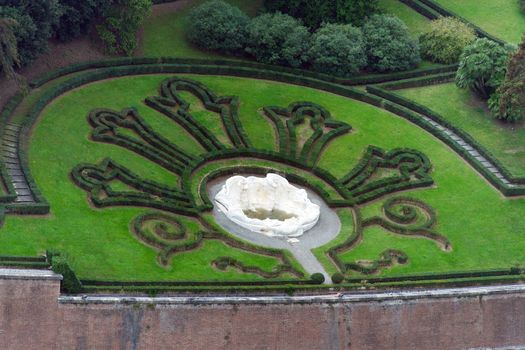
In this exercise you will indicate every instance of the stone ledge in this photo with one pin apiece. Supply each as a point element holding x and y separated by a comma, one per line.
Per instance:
<point>300,299</point>
<point>28,274</point>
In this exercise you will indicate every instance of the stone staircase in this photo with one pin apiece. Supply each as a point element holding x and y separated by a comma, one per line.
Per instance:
<point>12,163</point>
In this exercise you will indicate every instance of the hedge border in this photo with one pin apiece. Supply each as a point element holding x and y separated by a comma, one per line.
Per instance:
<point>433,10</point>
<point>414,111</point>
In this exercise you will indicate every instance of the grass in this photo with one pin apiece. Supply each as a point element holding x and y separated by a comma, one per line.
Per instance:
<point>416,23</point>
<point>485,229</point>
<point>502,18</point>
<point>466,111</point>
<point>164,34</point>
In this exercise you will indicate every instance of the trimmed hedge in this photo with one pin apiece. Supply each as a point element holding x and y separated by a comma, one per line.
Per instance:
<point>432,10</point>
<point>414,112</point>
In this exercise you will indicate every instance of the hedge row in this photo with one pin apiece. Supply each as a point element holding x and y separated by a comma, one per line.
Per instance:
<point>96,180</point>
<point>431,9</point>
<point>439,276</point>
<point>413,112</point>
<point>401,223</point>
<point>107,124</point>
<point>386,259</point>
<point>134,61</point>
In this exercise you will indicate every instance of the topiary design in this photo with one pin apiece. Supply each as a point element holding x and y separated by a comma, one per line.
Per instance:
<point>182,222</point>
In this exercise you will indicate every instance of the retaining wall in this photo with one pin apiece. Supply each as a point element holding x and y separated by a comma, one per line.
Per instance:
<point>33,315</point>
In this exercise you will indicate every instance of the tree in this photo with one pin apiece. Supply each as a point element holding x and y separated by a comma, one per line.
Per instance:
<point>8,49</point>
<point>389,46</point>
<point>508,102</point>
<point>278,39</point>
<point>482,67</point>
<point>446,40</point>
<point>338,49</point>
<point>77,17</point>
<point>355,12</point>
<point>314,13</point>
<point>35,22</point>
<point>217,25</point>
<point>120,24</point>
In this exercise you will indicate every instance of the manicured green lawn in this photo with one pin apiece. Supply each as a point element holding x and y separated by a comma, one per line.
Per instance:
<point>416,22</point>
<point>485,229</point>
<point>164,34</point>
<point>502,18</point>
<point>463,109</point>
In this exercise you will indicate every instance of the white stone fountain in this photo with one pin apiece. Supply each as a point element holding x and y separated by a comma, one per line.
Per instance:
<point>269,205</point>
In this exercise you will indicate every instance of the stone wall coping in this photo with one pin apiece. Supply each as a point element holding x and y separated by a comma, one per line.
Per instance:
<point>28,274</point>
<point>347,297</point>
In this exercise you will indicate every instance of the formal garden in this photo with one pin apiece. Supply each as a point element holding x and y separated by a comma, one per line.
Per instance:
<point>401,120</point>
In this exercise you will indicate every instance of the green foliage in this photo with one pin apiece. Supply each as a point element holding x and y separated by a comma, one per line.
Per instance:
<point>121,22</point>
<point>35,21</point>
<point>522,5</point>
<point>217,25</point>
<point>338,49</point>
<point>278,39</point>
<point>70,283</point>
<point>337,278</point>
<point>316,12</point>
<point>389,46</point>
<point>77,17</point>
<point>446,40</point>
<point>482,67</point>
<point>8,49</point>
<point>317,278</point>
<point>508,103</point>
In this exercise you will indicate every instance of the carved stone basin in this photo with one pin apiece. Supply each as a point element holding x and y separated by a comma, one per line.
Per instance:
<point>268,205</point>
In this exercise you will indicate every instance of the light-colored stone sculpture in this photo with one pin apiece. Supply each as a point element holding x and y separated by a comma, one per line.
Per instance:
<point>269,205</point>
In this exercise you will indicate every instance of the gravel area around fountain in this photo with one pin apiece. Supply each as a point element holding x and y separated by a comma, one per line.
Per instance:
<point>326,229</point>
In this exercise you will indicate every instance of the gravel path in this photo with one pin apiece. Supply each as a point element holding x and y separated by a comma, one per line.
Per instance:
<point>326,229</point>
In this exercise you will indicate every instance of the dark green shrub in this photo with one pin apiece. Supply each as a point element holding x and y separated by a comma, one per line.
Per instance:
<point>317,278</point>
<point>217,25</point>
<point>482,67</point>
<point>337,278</point>
<point>508,102</point>
<point>389,46</point>
<point>338,49</point>
<point>278,39</point>
<point>314,13</point>
<point>120,24</point>
<point>446,40</point>
<point>77,17</point>
<point>35,20</point>
<point>70,283</point>
<point>522,5</point>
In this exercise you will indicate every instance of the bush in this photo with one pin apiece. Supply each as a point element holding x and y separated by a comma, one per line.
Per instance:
<point>317,278</point>
<point>338,49</point>
<point>482,67</point>
<point>70,282</point>
<point>278,39</point>
<point>316,12</point>
<point>77,17</point>
<point>337,278</point>
<point>508,102</point>
<point>522,5</point>
<point>446,40</point>
<point>389,46</point>
<point>35,20</point>
<point>217,25</point>
<point>120,25</point>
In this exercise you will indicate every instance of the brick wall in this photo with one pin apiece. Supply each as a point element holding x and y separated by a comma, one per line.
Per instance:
<point>32,317</point>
